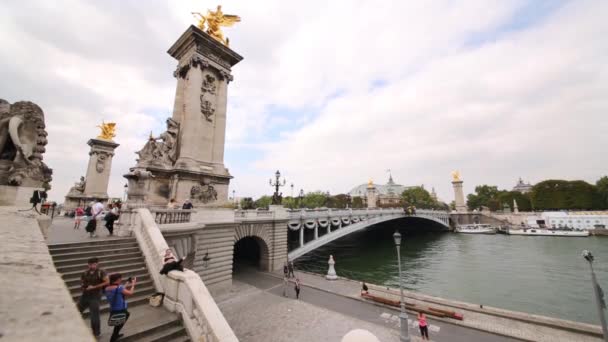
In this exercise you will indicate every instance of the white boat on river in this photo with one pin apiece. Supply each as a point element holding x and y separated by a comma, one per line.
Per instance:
<point>476,229</point>
<point>548,232</point>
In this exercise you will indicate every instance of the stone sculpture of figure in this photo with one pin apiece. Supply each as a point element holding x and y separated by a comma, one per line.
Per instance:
<point>78,187</point>
<point>22,141</point>
<point>162,150</point>
<point>203,193</point>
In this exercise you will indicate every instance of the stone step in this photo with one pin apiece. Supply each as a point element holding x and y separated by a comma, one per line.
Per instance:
<point>166,334</point>
<point>153,333</point>
<point>139,298</point>
<point>82,261</point>
<point>144,323</point>
<point>91,242</point>
<point>100,253</point>
<point>105,264</point>
<point>184,338</point>
<point>73,249</point>
<point>118,267</point>
<point>141,274</point>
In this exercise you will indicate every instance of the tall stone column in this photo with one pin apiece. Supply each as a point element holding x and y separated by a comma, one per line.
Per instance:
<point>461,205</point>
<point>98,171</point>
<point>203,74</point>
<point>372,195</point>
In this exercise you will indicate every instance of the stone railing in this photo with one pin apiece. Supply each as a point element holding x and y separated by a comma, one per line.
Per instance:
<point>166,216</point>
<point>253,214</point>
<point>185,292</point>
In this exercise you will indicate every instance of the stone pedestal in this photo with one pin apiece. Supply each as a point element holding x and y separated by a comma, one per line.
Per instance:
<point>189,162</point>
<point>331,272</point>
<point>461,205</point>
<point>97,176</point>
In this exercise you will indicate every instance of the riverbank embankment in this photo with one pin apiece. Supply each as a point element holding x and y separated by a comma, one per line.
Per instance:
<point>520,325</point>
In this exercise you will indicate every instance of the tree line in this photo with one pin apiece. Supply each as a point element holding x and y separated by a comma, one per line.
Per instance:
<point>551,194</point>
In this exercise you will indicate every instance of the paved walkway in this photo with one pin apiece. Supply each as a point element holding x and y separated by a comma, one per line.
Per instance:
<point>472,318</point>
<point>62,231</point>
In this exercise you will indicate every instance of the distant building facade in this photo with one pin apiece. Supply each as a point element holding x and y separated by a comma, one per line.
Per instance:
<point>571,219</point>
<point>389,193</point>
<point>522,187</point>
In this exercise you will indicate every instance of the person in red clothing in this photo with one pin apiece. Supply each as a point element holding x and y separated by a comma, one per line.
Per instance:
<point>423,325</point>
<point>78,215</point>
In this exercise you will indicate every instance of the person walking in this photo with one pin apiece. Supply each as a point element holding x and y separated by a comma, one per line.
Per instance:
<point>290,269</point>
<point>96,210</point>
<point>423,325</point>
<point>115,294</point>
<point>172,204</point>
<point>92,281</point>
<point>285,271</point>
<point>78,215</point>
<point>111,216</point>
<point>297,288</point>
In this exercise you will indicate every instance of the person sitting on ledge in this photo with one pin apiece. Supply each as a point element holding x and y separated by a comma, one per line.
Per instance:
<point>364,289</point>
<point>170,263</point>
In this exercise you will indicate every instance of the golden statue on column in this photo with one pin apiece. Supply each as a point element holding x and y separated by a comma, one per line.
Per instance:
<point>108,131</point>
<point>214,21</point>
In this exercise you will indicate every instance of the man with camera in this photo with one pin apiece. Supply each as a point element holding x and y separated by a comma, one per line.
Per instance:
<point>93,280</point>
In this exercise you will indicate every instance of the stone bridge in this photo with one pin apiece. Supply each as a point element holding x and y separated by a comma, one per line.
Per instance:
<point>339,223</point>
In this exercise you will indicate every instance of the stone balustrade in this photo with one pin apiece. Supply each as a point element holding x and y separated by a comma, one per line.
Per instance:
<point>167,216</point>
<point>185,292</point>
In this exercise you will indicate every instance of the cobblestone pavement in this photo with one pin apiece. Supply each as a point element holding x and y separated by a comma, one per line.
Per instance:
<point>515,328</point>
<point>259,315</point>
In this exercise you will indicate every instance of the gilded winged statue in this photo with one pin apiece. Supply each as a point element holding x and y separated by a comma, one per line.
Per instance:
<point>456,176</point>
<point>214,21</point>
<point>108,130</point>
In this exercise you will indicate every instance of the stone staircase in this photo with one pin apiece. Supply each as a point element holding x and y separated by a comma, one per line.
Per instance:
<point>119,255</point>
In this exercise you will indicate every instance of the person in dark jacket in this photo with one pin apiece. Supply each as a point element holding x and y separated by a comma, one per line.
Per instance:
<point>92,281</point>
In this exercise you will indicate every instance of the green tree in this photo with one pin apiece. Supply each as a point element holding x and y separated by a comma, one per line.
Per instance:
<point>316,199</point>
<point>602,190</point>
<point>419,198</point>
<point>263,202</point>
<point>357,203</point>
<point>485,195</point>
<point>555,194</point>
<point>523,200</point>
<point>290,202</point>
<point>247,203</point>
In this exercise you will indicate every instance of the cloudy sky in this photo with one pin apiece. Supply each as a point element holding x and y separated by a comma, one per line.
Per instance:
<point>331,93</point>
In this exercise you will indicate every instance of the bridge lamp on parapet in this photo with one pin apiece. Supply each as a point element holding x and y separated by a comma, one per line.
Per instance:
<point>405,335</point>
<point>599,294</point>
<point>301,197</point>
<point>126,187</point>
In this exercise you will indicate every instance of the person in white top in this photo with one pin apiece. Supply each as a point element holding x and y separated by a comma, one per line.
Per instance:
<point>96,210</point>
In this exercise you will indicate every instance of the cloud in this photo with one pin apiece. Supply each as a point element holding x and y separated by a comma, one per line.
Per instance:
<point>330,93</point>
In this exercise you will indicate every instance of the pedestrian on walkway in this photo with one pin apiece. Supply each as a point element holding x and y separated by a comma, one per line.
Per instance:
<point>422,324</point>
<point>96,210</point>
<point>78,215</point>
<point>172,204</point>
<point>290,269</point>
<point>115,294</point>
<point>110,217</point>
<point>285,270</point>
<point>297,288</point>
<point>364,289</point>
<point>92,282</point>
<point>187,205</point>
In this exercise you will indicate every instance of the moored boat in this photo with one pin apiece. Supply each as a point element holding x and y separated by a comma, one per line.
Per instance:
<point>548,232</point>
<point>476,229</point>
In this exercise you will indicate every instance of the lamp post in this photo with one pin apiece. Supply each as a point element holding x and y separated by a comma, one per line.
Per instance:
<point>276,198</point>
<point>234,196</point>
<point>599,294</point>
<point>301,197</point>
<point>291,190</point>
<point>405,335</point>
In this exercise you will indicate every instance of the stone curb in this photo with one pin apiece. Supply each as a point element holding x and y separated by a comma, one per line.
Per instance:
<point>445,320</point>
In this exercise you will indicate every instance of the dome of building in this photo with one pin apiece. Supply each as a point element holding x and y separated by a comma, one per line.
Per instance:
<point>390,188</point>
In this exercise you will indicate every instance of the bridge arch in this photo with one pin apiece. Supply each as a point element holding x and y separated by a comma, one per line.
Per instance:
<point>349,227</point>
<point>251,247</point>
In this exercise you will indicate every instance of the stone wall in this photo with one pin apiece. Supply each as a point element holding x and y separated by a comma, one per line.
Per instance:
<point>40,304</point>
<point>216,239</point>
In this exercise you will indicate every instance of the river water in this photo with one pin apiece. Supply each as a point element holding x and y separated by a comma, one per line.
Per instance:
<point>540,275</point>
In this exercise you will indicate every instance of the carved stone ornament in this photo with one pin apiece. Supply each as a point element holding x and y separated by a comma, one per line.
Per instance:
<point>160,151</point>
<point>209,85</point>
<point>182,70</point>
<point>22,141</point>
<point>207,108</point>
<point>203,193</point>
<point>101,161</point>
<point>226,76</point>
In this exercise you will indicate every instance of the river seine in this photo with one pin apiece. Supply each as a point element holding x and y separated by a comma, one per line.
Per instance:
<point>540,275</point>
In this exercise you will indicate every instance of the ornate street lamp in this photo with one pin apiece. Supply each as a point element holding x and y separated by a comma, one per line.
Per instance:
<point>599,294</point>
<point>125,193</point>
<point>234,196</point>
<point>276,198</point>
<point>348,200</point>
<point>301,197</point>
<point>405,335</point>
<point>291,190</point>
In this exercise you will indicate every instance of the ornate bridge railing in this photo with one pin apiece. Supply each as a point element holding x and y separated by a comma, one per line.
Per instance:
<point>165,216</point>
<point>337,223</point>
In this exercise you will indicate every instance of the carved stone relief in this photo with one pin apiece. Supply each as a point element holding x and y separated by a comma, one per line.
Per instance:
<point>160,151</point>
<point>209,85</point>
<point>101,161</point>
<point>207,109</point>
<point>22,141</point>
<point>203,193</point>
